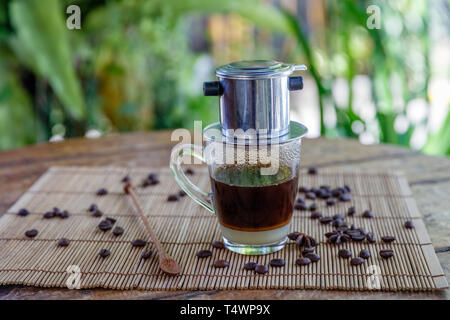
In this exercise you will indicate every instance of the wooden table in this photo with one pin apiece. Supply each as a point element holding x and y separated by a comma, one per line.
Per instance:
<point>429,178</point>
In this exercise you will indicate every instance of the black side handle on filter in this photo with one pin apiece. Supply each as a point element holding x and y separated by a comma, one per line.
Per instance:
<point>212,88</point>
<point>295,83</point>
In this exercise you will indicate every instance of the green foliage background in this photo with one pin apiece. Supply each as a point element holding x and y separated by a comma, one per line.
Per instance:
<point>131,67</point>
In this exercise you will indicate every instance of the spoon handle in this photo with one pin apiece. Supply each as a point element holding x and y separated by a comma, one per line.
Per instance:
<point>129,189</point>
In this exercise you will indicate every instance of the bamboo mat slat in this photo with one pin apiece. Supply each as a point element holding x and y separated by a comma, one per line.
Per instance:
<point>184,228</point>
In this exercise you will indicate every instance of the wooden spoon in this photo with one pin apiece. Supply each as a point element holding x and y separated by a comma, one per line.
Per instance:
<point>166,262</point>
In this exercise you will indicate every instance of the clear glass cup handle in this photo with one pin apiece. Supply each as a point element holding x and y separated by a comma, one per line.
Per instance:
<point>198,195</point>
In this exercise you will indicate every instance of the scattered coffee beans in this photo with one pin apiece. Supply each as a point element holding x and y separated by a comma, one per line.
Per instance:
<point>313,207</point>
<point>325,220</point>
<point>331,202</point>
<point>181,193</point>
<point>63,242</point>
<point>23,212</point>
<point>303,189</point>
<point>358,237</point>
<point>293,235</point>
<point>351,211</point>
<point>102,192</point>
<point>345,197</point>
<point>307,250</point>
<point>261,269</point>
<point>337,237</point>
<point>250,266</point>
<point>316,215</point>
<point>310,195</point>
<point>218,244</point>
<point>314,257</point>
<point>388,239</point>
<point>111,220</point>
<point>303,261</point>
<point>173,197</point>
<point>48,215</point>
<point>146,254</point>
<point>386,254</point>
<point>300,206</point>
<point>368,214</point>
<point>204,253</point>
<point>304,240</point>
<point>97,213</point>
<point>104,253</point>
<point>138,243</point>
<point>31,233</point>
<point>409,225</point>
<point>220,264</point>
<point>312,170</point>
<point>126,179</point>
<point>105,225</point>
<point>344,253</point>
<point>92,208</point>
<point>64,214</point>
<point>370,237</point>
<point>117,231</point>
<point>365,254</point>
<point>356,261</point>
<point>277,263</point>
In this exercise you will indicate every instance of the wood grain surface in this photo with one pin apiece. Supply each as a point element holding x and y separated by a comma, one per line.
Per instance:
<point>429,179</point>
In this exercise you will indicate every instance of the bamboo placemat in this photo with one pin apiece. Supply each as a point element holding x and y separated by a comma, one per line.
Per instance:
<point>184,228</point>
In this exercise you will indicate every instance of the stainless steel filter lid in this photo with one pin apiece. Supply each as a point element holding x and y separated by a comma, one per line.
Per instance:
<point>257,69</point>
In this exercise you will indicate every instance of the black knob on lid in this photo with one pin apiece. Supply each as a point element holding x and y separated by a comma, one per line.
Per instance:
<point>212,88</point>
<point>295,83</point>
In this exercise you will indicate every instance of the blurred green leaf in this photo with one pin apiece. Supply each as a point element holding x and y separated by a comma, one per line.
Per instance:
<point>43,35</point>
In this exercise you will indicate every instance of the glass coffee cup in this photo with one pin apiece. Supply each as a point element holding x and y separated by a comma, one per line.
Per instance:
<point>254,180</point>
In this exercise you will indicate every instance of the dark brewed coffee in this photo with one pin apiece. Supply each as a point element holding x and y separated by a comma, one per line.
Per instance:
<point>245,200</point>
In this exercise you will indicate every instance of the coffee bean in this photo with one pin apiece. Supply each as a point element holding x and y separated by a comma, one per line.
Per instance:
<point>146,254</point>
<point>181,193</point>
<point>356,261</point>
<point>261,269</point>
<point>97,213</point>
<point>300,200</point>
<point>102,192</point>
<point>358,237</point>
<point>386,254</point>
<point>138,243</point>
<point>338,216</point>
<point>316,215</point>
<point>277,263</point>
<point>303,189</point>
<point>204,253</point>
<point>303,261</point>
<point>310,195</point>
<point>409,225</point>
<point>112,220</point>
<point>220,264</point>
<point>313,207</point>
<point>344,253</point>
<point>105,225</point>
<point>126,179</point>
<point>56,211</point>
<point>117,231</point>
<point>250,266</point>
<point>365,254</point>
<point>23,212</point>
<point>314,257</point>
<point>370,237</point>
<point>388,239</point>
<point>331,202</point>
<point>189,171</point>
<point>345,197</point>
<point>104,253</point>
<point>351,211</point>
<point>63,242</point>
<point>312,170</point>
<point>152,176</point>
<point>92,208</point>
<point>307,250</point>
<point>337,223</point>
<point>293,235</point>
<point>31,233</point>
<point>218,244</point>
<point>300,206</point>
<point>368,214</point>
<point>64,214</point>
<point>49,215</point>
<point>325,220</point>
<point>173,197</point>
<point>347,188</point>
<point>325,187</point>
